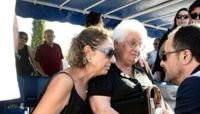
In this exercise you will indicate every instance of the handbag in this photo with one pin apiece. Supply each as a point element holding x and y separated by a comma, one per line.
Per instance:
<point>155,100</point>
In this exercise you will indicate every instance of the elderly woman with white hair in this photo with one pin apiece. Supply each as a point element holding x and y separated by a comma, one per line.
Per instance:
<point>122,90</point>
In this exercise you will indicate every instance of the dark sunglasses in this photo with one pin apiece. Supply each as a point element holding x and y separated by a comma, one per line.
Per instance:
<point>182,16</point>
<point>195,15</point>
<point>163,54</point>
<point>109,52</point>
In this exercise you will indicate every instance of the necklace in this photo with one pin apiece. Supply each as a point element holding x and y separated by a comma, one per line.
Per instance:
<point>125,71</point>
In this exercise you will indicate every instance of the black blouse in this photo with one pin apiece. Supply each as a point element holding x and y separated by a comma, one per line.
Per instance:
<point>23,65</point>
<point>127,94</point>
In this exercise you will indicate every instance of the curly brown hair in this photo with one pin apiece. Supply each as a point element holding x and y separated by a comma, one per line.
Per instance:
<point>92,36</point>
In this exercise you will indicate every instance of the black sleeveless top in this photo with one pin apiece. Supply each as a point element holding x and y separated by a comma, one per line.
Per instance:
<point>23,64</point>
<point>76,104</point>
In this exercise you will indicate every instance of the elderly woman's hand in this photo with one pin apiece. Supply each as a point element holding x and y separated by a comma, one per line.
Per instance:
<point>143,63</point>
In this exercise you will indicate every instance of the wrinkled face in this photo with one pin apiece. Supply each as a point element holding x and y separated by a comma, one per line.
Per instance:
<point>128,51</point>
<point>182,18</point>
<point>102,57</point>
<point>170,61</point>
<point>49,37</point>
<point>195,15</point>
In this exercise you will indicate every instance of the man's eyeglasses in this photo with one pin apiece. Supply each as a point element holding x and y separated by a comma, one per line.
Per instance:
<point>109,52</point>
<point>163,54</point>
<point>182,16</point>
<point>195,15</point>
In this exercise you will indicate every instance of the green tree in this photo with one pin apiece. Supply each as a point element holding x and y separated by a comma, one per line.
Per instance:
<point>38,30</point>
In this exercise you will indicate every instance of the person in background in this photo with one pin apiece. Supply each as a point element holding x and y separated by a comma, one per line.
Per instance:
<point>122,89</point>
<point>194,11</point>
<point>181,61</point>
<point>25,61</point>
<point>182,17</point>
<point>49,55</point>
<point>151,56</point>
<point>94,19</point>
<point>90,55</point>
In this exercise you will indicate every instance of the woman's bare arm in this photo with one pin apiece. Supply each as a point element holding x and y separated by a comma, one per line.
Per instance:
<point>56,96</point>
<point>101,105</point>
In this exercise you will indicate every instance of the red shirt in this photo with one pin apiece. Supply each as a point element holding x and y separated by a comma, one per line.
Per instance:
<point>50,58</point>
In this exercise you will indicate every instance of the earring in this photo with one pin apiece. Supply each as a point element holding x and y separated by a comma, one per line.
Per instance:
<point>89,59</point>
<point>85,60</point>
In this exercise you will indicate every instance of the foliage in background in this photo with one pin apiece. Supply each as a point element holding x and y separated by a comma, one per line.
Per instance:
<point>38,30</point>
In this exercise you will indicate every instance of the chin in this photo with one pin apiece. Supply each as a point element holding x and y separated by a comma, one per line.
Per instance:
<point>167,79</point>
<point>134,62</point>
<point>104,72</point>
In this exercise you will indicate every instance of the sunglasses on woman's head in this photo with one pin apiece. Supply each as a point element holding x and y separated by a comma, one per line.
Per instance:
<point>109,52</point>
<point>182,16</point>
<point>195,15</point>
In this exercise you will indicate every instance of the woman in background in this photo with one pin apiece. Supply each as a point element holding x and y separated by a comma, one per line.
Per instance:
<point>25,62</point>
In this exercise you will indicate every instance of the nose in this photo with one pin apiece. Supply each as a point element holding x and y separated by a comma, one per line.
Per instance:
<point>197,17</point>
<point>112,59</point>
<point>162,63</point>
<point>138,48</point>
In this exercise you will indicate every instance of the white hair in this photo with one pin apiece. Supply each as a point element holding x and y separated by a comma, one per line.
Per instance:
<point>120,32</point>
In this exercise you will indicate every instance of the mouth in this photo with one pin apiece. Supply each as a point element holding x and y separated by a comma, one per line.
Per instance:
<point>107,67</point>
<point>134,56</point>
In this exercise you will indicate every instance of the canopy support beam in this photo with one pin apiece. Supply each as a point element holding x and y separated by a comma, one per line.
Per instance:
<point>153,9</point>
<point>97,3</point>
<point>160,17</point>
<point>65,2</point>
<point>122,7</point>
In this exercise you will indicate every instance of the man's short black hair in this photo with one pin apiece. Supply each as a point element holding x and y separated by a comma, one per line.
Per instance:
<point>188,37</point>
<point>93,18</point>
<point>194,5</point>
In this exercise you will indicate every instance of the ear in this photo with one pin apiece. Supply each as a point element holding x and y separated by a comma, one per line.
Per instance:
<point>116,44</point>
<point>186,56</point>
<point>88,52</point>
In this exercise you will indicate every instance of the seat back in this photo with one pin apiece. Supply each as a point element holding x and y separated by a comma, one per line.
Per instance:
<point>42,83</point>
<point>31,89</point>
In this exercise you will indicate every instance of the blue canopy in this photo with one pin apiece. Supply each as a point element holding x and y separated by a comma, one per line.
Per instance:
<point>157,15</point>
